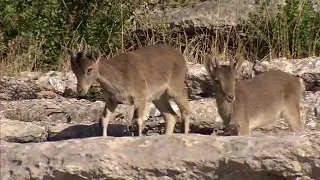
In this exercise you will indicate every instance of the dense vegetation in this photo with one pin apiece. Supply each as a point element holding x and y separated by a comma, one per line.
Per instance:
<point>32,32</point>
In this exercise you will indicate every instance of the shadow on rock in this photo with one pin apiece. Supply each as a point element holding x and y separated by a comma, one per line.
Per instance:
<point>85,131</point>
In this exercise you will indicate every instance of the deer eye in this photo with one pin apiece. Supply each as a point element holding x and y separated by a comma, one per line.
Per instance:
<point>216,81</point>
<point>89,70</point>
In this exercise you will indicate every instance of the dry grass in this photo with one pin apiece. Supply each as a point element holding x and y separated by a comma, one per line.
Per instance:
<point>20,57</point>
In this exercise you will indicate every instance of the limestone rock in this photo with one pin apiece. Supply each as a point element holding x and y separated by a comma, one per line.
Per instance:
<point>311,105</point>
<point>166,157</point>
<point>59,119</point>
<point>53,110</point>
<point>54,84</point>
<point>14,89</point>
<point>70,118</point>
<point>52,80</point>
<point>18,131</point>
<point>210,13</point>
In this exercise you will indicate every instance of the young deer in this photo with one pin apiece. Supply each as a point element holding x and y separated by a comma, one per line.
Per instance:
<point>155,73</point>
<point>256,102</point>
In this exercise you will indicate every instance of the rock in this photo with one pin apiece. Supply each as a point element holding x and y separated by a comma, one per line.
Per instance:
<point>62,131</point>
<point>70,118</point>
<point>40,85</point>
<point>52,80</point>
<point>198,81</point>
<point>53,110</point>
<point>14,89</point>
<point>209,13</point>
<point>307,68</point>
<point>32,98</point>
<point>205,118</point>
<point>166,157</point>
<point>312,110</point>
<point>23,132</point>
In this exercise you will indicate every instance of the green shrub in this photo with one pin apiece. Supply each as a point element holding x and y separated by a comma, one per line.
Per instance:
<point>292,33</point>
<point>32,32</point>
<point>101,23</point>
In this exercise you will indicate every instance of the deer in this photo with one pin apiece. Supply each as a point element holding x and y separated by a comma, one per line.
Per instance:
<point>256,102</point>
<point>155,73</point>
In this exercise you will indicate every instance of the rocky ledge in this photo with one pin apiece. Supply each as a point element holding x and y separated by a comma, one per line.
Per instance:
<point>166,157</point>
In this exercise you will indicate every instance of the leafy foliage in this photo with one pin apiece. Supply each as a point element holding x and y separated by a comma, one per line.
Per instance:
<point>33,31</point>
<point>292,33</point>
<point>101,23</point>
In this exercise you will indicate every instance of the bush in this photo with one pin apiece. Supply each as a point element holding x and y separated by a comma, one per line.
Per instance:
<point>32,32</point>
<point>292,33</point>
<point>49,24</point>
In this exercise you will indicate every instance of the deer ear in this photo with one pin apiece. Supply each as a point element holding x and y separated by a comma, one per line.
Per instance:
<point>72,53</point>
<point>94,56</point>
<point>97,55</point>
<point>238,63</point>
<point>209,65</point>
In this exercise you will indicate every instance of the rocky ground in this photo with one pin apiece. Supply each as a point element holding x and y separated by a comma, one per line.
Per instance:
<point>47,132</point>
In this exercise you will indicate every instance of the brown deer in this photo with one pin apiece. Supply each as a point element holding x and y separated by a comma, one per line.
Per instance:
<point>154,74</point>
<point>256,102</point>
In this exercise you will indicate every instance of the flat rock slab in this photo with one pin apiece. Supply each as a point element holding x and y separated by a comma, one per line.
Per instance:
<point>18,131</point>
<point>52,84</point>
<point>166,157</point>
<point>61,118</point>
<point>58,119</point>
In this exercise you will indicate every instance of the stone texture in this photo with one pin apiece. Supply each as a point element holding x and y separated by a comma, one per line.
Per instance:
<point>312,110</point>
<point>52,80</point>
<point>63,118</point>
<point>14,88</point>
<point>166,157</point>
<point>55,84</point>
<point>210,13</point>
<point>70,118</point>
<point>53,110</point>
<point>18,131</point>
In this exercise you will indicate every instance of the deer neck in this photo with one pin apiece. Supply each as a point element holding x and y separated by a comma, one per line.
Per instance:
<point>225,109</point>
<point>107,79</point>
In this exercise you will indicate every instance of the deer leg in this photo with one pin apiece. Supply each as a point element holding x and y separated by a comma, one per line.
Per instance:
<point>182,102</point>
<point>163,105</point>
<point>139,116</point>
<point>292,116</point>
<point>109,109</point>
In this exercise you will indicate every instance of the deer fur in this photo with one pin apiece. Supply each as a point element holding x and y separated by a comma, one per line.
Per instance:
<point>256,102</point>
<point>154,74</point>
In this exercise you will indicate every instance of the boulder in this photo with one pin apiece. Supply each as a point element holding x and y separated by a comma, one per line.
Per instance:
<point>23,132</point>
<point>14,88</point>
<point>55,84</point>
<point>52,80</point>
<point>311,108</point>
<point>64,118</point>
<point>166,157</point>
<point>210,13</point>
<point>61,118</point>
